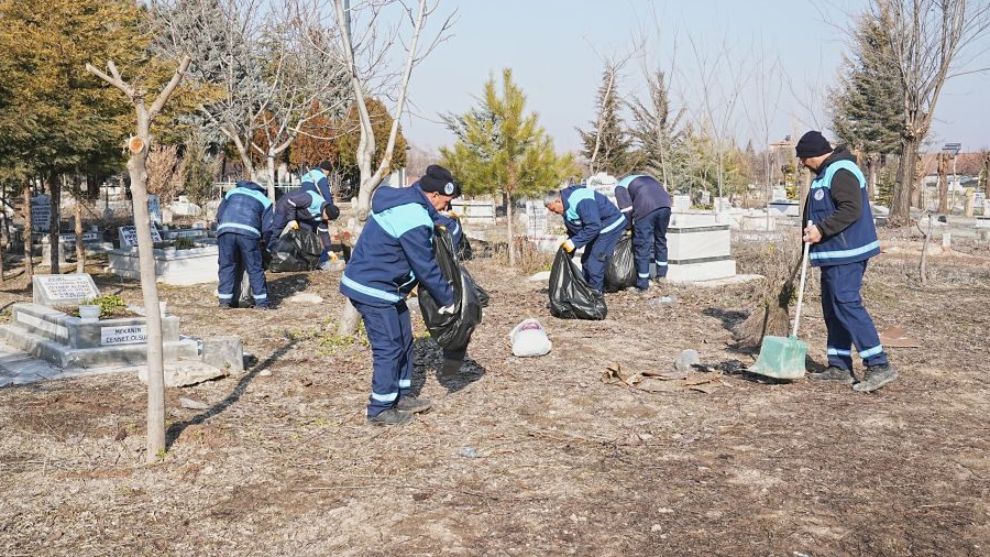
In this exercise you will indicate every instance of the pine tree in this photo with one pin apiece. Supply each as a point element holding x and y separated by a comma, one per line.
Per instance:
<point>607,146</point>
<point>502,149</point>
<point>57,118</point>
<point>656,130</point>
<point>867,107</point>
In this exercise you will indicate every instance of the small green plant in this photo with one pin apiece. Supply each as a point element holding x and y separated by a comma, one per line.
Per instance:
<point>110,305</point>
<point>184,243</point>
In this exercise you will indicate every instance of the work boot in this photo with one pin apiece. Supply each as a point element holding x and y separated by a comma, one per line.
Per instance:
<point>413,405</point>
<point>876,377</point>
<point>392,416</point>
<point>833,373</point>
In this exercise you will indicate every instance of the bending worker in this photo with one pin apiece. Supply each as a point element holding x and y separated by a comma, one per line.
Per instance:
<point>245,226</point>
<point>317,181</point>
<point>306,208</point>
<point>393,253</point>
<point>643,199</point>
<point>843,238</point>
<point>593,223</point>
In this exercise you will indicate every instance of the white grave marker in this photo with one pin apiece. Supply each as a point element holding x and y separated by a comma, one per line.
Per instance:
<point>64,290</point>
<point>155,208</point>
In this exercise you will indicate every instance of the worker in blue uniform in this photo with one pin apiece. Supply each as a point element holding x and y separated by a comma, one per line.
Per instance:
<point>244,226</point>
<point>306,209</point>
<point>393,254</point>
<point>317,181</point>
<point>843,238</point>
<point>646,202</point>
<point>593,223</point>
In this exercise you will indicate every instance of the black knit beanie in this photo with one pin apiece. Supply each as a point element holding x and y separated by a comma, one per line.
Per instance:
<point>438,179</point>
<point>812,144</point>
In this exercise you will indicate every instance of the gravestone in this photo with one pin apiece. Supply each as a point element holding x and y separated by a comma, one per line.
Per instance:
<point>155,208</point>
<point>63,290</point>
<point>128,236</point>
<point>682,203</point>
<point>41,213</point>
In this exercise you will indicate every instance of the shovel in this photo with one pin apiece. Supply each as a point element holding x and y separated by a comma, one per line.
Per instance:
<point>783,358</point>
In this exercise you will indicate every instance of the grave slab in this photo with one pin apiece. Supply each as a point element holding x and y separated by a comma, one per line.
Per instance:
<point>63,290</point>
<point>175,267</point>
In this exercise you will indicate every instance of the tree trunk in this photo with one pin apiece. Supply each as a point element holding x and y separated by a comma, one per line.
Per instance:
<point>900,206</point>
<point>270,159</point>
<point>986,183</point>
<point>943,186</point>
<point>137,168</point>
<point>55,187</point>
<point>28,243</point>
<point>80,248</point>
<point>508,229</point>
<point>872,162</point>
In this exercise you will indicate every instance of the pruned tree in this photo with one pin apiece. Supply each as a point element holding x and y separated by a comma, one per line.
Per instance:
<point>138,146</point>
<point>363,53</point>
<point>608,146</point>
<point>932,42</point>
<point>502,149</point>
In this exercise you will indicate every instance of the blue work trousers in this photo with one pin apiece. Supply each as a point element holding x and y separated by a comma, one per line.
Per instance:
<point>846,319</point>
<point>238,253</point>
<point>650,239</point>
<point>390,334</point>
<point>596,256</point>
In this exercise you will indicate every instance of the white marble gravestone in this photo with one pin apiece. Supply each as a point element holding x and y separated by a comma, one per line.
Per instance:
<point>63,290</point>
<point>128,236</point>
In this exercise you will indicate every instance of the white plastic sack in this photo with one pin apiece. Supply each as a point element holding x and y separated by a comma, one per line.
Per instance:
<point>529,338</point>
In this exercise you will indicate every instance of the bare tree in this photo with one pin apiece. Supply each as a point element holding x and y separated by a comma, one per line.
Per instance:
<point>368,45</point>
<point>720,78</point>
<point>137,167</point>
<point>933,41</point>
<point>766,76</point>
<point>276,69</point>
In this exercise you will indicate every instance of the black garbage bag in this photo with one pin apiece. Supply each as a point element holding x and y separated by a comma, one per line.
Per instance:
<point>482,294</point>
<point>296,250</point>
<point>570,295</point>
<point>621,271</point>
<point>464,251</point>
<point>452,332</point>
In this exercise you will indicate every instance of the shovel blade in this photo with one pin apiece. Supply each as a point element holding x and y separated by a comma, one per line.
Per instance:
<point>781,358</point>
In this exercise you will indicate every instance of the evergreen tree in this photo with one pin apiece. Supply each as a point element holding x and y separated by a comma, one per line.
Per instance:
<point>502,149</point>
<point>867,107</point>
<point>607,146</point>
<point>656,130</point>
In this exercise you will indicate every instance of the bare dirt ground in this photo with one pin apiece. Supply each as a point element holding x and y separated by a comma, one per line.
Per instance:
<point>562,464</point>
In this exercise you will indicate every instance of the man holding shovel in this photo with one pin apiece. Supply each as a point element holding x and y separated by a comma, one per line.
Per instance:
<point>843,238</point>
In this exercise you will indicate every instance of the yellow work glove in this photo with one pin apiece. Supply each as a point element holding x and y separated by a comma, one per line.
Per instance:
<point>293,225</point>
<point>567,246</point>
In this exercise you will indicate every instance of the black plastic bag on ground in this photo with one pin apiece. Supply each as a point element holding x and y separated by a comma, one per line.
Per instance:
<point>570,295</point>
<point>296,250</point>
<point>621,271</point>
<point>452,332</point>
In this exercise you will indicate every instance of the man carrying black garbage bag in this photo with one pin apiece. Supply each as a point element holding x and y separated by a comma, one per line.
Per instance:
<point>392,255</point>
<point>646,202</point>
<point>593,223</point>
